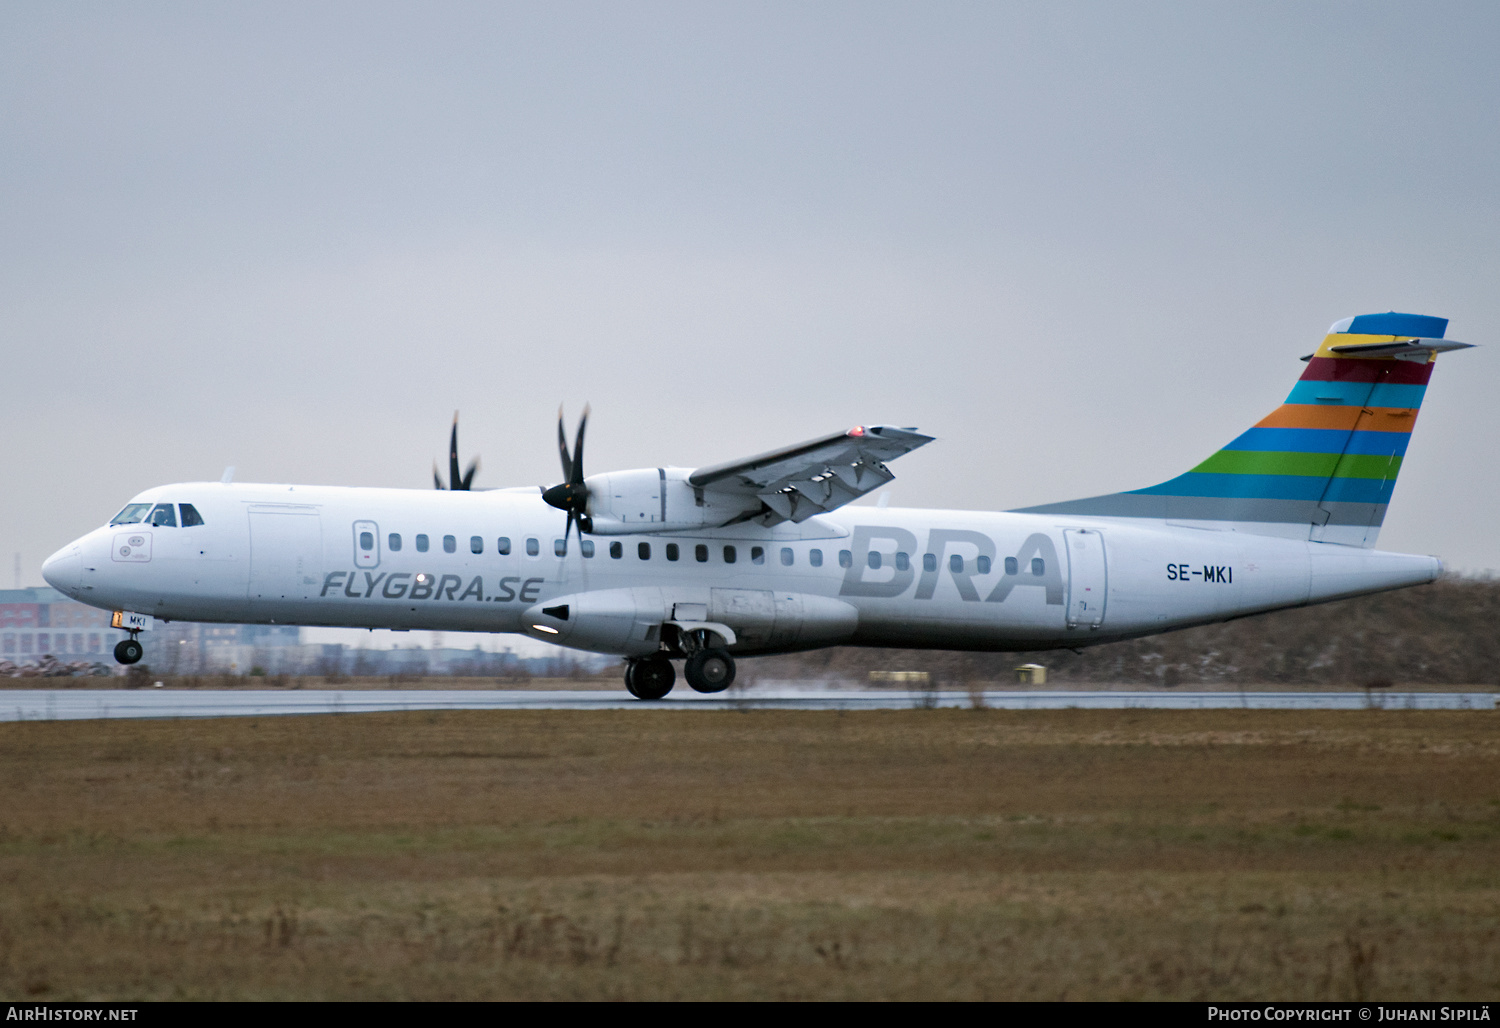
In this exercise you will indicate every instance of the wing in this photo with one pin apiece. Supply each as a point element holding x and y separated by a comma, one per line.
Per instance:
<point>820,475</point>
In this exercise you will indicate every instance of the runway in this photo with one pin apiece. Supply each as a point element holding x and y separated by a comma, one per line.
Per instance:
<point>85,704</point>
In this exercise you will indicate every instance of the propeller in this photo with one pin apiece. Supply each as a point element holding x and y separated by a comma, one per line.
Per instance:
<point>571,495</point>
<point>461,482</point>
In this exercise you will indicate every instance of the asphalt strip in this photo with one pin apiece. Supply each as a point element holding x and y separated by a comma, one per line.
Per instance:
<point>87,704</point>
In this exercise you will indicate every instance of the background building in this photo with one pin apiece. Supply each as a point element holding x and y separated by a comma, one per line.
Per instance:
<point>40,621</point>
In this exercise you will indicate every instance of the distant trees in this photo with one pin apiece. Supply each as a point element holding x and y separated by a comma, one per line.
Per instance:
<point>1444,633</point>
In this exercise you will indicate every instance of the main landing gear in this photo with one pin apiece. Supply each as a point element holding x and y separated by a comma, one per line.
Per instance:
<point>710,670</point>
<point>129,651</point>
<point>651,678</point>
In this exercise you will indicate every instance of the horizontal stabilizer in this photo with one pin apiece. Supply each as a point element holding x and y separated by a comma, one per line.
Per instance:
<point>1400,348</point>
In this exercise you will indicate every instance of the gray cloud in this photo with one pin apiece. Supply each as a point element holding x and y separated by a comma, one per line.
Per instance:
<point>1083,244</point>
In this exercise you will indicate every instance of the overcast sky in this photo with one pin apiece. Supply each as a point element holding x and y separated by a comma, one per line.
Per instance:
<point>1082,244</point>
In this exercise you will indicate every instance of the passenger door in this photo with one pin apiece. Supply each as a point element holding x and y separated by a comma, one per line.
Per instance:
<point>1087,578</point>
<point>366,544</point>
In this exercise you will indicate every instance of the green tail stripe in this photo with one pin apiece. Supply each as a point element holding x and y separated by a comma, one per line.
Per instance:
<point>1317,465</point>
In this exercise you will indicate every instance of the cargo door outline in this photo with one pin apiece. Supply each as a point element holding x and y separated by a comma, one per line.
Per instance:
<point>286,555</point>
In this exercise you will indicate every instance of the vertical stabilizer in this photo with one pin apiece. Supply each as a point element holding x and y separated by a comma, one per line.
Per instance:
<point>1321,466</point>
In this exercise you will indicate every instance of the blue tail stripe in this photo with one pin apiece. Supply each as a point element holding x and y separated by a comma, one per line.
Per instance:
<point>1321,440</point>
<point>1356,394</point>
<point>1273,487</point>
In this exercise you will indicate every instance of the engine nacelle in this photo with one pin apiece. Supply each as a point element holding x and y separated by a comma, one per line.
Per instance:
<point>661,500</point>
<point>629,622</point>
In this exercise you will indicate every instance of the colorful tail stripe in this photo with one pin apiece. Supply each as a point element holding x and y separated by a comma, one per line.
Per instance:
<point>1329,455</point>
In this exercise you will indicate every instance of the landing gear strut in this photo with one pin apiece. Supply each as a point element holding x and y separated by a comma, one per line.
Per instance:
<point>129,651</point>
<point>710,670</point>
<point>649,678</point>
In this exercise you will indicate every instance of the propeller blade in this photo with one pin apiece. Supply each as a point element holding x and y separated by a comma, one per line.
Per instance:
<point>577,477</point>
<point>437,479</point>
<point>468,479</point>
<point>571,495</point>
<point>562,447</point>
<point>454,478</point>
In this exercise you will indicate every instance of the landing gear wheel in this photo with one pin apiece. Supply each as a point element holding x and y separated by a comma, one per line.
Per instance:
<point>650,678</point>
<point>710,671</point>
<point>128,651</point>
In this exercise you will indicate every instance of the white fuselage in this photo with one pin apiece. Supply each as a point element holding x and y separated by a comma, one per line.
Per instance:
<point>860,575</point>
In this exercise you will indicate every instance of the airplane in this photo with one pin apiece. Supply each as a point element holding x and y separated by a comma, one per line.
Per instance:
<point>764,555</point>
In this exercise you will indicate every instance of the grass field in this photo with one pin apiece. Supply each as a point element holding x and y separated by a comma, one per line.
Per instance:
<point>764,854</point>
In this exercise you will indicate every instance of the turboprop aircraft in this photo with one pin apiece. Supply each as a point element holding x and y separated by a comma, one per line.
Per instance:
<point>763,555</point>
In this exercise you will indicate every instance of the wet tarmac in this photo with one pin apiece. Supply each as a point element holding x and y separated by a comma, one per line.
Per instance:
<point>76,704</point>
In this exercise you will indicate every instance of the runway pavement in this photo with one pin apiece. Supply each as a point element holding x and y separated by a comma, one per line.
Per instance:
<point>76,704</point>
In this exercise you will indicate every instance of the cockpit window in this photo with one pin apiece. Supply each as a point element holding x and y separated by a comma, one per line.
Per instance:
<point>190,515</point>
<point>133,514</point>
<point>163,516</point>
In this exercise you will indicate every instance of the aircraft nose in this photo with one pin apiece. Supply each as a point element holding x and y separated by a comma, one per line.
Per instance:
<point>63,569</point>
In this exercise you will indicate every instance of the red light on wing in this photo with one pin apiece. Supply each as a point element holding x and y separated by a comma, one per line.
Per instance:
<point>856,431</point>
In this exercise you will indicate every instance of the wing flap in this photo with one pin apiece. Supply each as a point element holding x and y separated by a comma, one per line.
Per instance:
<point>817,476</point>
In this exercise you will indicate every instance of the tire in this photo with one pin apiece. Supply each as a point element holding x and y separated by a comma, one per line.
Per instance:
<point>710,671</point>
<point>652,678</point>
<point>128,651</point>
<point>630,679</point>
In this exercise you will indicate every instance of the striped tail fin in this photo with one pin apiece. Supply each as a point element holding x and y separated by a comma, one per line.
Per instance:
<point>1321,466</point>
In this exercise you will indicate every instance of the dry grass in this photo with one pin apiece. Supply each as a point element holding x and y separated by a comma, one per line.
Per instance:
<point>644,854</point>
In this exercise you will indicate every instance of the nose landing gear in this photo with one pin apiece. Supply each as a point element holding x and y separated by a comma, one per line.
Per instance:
<point>129,651</point>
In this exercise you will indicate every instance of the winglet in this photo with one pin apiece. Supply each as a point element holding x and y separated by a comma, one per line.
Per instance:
<point>228,475</point>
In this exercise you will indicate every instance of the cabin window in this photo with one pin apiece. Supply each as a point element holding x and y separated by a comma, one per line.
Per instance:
<point>700,553</point>
<point>163,516</point>
<point>846,559</point>
<point>560,547</point>
<point>587,546</point>
<point>815,558</point>
<point>983,563</point>
<point>757,554</point>
<point>502,546</point>
<point>929,562</point>
<point>421,544</point>
<point>616,550</point>
<point>393,542</point>
<point>476,544</point>
<point>1011,567</point>
<point>1038,566</point>
<point>903,562</point>
<point>673,552</point>
<point>367,541</point>
<point>955,564</point>
<point>533,547</point>
<point>729,555</point>
<point>450,544</point>
<point>873,559</point>
<point>190,515</point>
<point>133,514</point>
<point>787,556</point>
<point>643,551</point>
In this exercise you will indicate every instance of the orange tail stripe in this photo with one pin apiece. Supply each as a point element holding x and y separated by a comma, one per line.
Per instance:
<point>1307,415</point>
